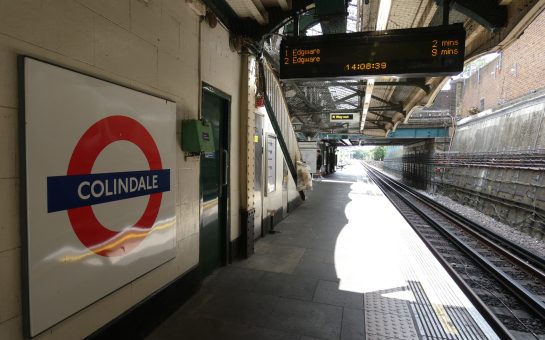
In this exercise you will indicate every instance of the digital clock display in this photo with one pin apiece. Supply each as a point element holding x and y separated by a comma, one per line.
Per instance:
<point>429,51</point>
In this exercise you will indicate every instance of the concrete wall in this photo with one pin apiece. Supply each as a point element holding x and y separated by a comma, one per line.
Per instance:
<point>517,126</point>
<point>514,194</point>
<point>147,45</point>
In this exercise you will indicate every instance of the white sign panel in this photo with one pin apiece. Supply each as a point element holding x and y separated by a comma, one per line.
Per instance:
<point>100,166</point>
<point>271,163</point>
<point>309,157</point>
<point>308,154</point>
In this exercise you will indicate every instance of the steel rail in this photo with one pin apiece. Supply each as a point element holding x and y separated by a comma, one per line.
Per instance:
<point>480,305</point>
<point>533,263</point>
<point>532,301</point>
<point>529,298</point>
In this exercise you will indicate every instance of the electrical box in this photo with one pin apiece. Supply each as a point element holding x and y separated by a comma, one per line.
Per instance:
<point>197,136</point>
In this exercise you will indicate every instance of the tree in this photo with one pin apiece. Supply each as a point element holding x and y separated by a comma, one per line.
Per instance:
<point>378,153</point>
<point>359,154</point>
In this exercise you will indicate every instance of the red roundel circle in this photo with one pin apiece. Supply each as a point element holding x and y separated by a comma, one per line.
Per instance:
<point>101,240</point>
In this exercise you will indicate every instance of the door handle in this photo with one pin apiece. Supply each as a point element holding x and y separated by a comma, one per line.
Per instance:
<point>224,170</point>
<point>226,167</point>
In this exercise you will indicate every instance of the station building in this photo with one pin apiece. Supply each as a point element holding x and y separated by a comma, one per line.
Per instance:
<point>188,61</point>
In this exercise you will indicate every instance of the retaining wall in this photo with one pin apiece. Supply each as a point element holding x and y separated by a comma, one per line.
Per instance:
<point>508,183</point>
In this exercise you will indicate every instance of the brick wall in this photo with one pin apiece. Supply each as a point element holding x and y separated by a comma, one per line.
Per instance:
<point>518,71</point>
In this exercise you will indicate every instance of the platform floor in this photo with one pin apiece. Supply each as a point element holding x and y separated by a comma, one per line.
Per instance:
<point>344,265</point>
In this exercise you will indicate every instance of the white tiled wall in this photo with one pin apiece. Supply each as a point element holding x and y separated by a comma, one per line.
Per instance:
<point>148,45</point>
<point>8,143</point>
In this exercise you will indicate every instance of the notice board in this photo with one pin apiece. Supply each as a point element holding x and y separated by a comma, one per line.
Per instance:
<point>271,163</point>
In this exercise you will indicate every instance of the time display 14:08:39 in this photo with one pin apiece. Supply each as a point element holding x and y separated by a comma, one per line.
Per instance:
<point>366,66</point>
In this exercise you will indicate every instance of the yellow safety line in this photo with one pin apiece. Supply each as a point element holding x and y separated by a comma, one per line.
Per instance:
<point>444,318</point>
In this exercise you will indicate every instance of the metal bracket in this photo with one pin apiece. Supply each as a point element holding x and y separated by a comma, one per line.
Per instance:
<point>446,11</point>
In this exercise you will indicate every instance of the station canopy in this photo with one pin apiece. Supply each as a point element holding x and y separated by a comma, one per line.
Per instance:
<point>372,105</point>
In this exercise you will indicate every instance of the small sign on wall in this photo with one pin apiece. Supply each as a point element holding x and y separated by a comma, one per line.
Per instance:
<point>341,117</point>
<point>271,163</point>
<point>100,204</point>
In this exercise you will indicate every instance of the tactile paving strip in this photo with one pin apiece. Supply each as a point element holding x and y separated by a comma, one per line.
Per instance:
<point>438,320</point>
<point>376,302</point>
<point>391,326</point>
<point>410,295</point>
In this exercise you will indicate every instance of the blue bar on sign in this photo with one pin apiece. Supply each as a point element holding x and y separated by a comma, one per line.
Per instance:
<point>66,192</point>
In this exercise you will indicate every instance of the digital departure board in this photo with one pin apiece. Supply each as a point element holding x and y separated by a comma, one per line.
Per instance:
<point>428,51</point>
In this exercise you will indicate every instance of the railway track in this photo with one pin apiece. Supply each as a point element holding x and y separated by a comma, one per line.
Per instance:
<point>504,281</point>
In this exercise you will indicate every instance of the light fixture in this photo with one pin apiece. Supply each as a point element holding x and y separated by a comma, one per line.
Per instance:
<point>366,102</point>
<point>290,93</point>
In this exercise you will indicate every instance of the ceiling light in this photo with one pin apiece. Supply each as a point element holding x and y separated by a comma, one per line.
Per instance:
<point>290,93</point>
<point>383,14</point>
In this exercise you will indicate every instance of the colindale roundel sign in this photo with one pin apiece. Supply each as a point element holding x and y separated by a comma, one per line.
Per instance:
<point>80,189</point>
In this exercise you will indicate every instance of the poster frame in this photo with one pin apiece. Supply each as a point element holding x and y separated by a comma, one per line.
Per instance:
<point>270,136</point>
<point>23,190</point>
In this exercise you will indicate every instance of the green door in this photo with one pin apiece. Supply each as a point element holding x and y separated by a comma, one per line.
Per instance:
<point>214,183</point>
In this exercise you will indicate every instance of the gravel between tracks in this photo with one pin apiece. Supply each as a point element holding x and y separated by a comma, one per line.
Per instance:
<point>510,233</point>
